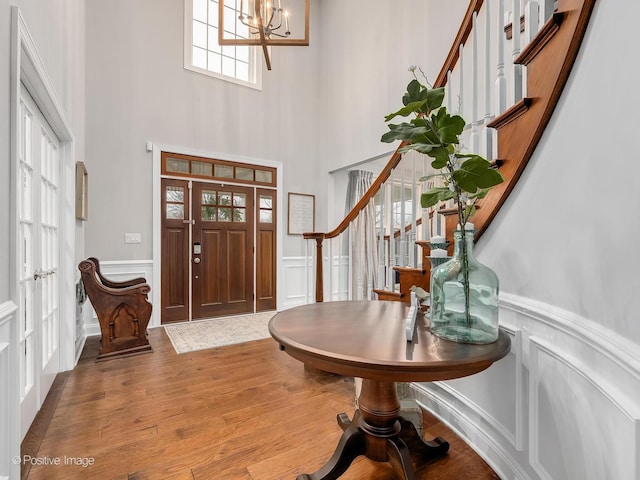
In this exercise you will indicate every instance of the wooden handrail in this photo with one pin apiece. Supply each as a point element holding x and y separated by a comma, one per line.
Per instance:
<point>441,80</point>
<point>452,58</point>
<point>366,198</point>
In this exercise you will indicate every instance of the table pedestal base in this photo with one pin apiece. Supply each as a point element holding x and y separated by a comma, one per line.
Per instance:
<point>378,431</point>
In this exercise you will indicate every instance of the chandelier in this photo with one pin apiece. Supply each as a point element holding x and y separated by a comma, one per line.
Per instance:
<point>258,22</point>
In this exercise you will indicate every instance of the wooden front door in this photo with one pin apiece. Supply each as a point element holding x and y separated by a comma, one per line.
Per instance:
<point>223,246</point>
<point>175,241</point>
<point>218,240</point>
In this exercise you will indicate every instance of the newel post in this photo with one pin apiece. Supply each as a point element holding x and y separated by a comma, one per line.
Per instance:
<point>319,237</point>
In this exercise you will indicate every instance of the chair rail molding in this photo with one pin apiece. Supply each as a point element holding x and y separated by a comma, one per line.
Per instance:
<point>563,404</point>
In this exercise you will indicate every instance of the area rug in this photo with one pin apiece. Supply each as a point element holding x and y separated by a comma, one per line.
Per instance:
<point>217,332</point>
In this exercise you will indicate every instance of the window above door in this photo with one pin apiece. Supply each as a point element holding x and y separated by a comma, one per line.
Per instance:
<point>202,53</point>
<point>213,169</point>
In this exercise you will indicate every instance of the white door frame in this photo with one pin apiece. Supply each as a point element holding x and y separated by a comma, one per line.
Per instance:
<point>28,68</point>
<point>157,149</point>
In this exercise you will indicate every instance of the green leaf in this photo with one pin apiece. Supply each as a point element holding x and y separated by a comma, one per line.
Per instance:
<point>413,92</point>
<point>449,127</point>
<point>405,111</point>
<point>469,210</point>
<point>418,147</point>
<point>476,173</point>
<point>404,131</point>
<point>435,195</point>
<point>427,177</point>
<point>481,193</point>
<point>434,98</point>
<point>441,156</point>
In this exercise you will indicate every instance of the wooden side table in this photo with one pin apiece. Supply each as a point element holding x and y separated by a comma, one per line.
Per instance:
<point>367,339</point>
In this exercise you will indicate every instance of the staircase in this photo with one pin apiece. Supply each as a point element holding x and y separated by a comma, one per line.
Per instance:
<point>505,78</point>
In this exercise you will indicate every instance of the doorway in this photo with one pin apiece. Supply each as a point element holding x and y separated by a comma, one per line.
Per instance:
<point>218,244</point>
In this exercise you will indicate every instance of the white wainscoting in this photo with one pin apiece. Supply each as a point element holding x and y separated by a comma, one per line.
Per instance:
<point>563,405</point>
<point>9,391</point>
<point>299,282</point>
<point>120,271</point>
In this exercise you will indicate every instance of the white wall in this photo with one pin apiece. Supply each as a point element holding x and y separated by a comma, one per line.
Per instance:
<point>566,235</point>
<point>138,91</point>
<point>367,49</point>
<point>58,31</point>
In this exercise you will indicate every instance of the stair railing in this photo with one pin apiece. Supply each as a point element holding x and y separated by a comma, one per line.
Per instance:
<point>485,74</point>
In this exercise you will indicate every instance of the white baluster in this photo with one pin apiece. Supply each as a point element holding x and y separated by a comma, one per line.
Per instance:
<point>501,81</point>
<point>461,91</point>
<point>350,263</point>
<point>331,266</point>
<point>531,24</point>
<point>414,211</point>
<point>475,138</point>
<point>403,236</point>
<point>517,69</point>
<point>488,132</point>
<point>306,270</point>
<point>449,91</point>
<point>392,242</point>
<point>381,249</point>
<point>372,260</point>
<point>548,7</point>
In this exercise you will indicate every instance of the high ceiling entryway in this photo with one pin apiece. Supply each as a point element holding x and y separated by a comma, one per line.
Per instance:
<point>218,238</point>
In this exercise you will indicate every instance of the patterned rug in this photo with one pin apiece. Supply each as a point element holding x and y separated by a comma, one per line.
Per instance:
<point>216,332</point>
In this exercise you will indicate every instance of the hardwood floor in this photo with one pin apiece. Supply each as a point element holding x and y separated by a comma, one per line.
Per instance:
<point>241,412</point>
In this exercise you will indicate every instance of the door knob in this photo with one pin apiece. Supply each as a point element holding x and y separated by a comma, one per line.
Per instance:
<point>196,260</point>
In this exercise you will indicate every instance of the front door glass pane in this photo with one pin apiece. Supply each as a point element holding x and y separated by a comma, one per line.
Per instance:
<point>175,194</point>
<point>175,211</point>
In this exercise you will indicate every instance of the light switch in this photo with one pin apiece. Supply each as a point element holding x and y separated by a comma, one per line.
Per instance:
<point>132,238</point>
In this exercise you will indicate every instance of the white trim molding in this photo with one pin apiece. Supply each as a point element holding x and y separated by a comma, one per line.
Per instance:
<point>562,404</point>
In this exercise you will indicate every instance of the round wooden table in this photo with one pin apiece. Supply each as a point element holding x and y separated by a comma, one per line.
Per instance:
<point>367,339</point>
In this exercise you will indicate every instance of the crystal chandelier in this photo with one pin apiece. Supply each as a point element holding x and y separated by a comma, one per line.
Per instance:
<point>258,22</point>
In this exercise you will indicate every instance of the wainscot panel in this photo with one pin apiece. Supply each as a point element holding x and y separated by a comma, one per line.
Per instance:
<point>9,392</point>
<point>582,417</point>
<point>299,284</point>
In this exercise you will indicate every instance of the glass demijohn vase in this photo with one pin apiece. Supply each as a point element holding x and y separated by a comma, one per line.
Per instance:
<point>464,307</point>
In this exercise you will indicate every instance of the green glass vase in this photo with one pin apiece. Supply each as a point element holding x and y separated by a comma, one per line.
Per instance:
<point>464,296</point>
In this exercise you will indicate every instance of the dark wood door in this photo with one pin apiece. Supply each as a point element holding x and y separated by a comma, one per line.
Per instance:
<point>223,233</point>
<point>175,250</point>
<point>266,250</point>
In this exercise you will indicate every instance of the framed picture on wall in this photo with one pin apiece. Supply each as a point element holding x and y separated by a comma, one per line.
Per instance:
<point>301,213</point>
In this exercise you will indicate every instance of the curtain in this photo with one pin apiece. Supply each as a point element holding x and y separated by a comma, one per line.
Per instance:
<point>362,237</point>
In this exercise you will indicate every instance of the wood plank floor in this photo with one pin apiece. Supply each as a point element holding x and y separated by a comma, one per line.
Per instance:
<point>241,412</point>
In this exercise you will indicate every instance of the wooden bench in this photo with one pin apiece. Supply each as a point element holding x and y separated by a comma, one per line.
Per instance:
<point>122,309</point>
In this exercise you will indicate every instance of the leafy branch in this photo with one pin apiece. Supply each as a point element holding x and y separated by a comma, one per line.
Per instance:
<point>467,178</point>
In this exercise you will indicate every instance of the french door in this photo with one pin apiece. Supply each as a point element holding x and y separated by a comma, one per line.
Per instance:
<point>38,216</point>
<point>207,249</point>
